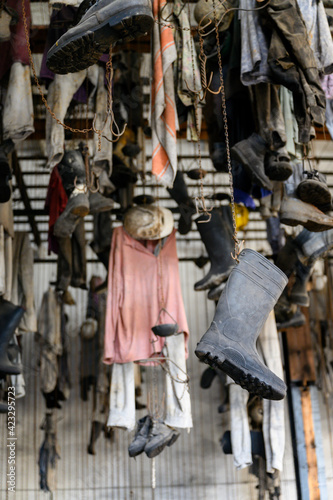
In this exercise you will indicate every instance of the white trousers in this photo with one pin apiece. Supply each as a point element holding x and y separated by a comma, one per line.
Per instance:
<point>273,418</point>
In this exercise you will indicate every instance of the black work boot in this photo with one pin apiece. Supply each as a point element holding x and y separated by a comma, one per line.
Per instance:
<point>251,154</point>
<point>313,189</point>
<point>252,290</point>
<point>10,317</point>
<point>5,171</point>
<point>217,238</point>
<point>299,294</point>
<point>160,436</point>
<point>140,440</point>
<point>96,428</point>
<point>104,23</point>
<point>179,193</point>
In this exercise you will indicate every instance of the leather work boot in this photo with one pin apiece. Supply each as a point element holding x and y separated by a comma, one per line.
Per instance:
<point>217,238</point>
<point>140,440</point>
<point>104,23</point>
<point>160,436</point>
<point>76,208</point>
<point>10,317</point>
<point>294,211</point>
<point>252,291</point>
<point>180,194</point>
<point>313,189</point>
<point>99,203</point>
<point>251,154</point>
<point>316,245</point>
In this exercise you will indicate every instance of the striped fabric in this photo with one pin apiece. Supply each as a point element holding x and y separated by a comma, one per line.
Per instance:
<point>164,114</point>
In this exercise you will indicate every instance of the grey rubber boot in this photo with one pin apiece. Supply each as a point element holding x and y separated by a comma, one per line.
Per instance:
<point>106,22</point>
<point>179,193</point>
<point>160,436</point>
<point>315,245</point>
<point>10,317</point>
<point>140,440</point>
<point>253,288</point>
<point>251,154</point>
<point>299,294</point>
<point>217,238</point>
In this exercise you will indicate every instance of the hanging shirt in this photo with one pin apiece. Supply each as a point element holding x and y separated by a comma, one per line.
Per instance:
<point>135,283</point>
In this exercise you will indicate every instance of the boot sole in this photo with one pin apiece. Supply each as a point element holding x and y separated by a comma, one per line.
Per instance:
<point>280,172</point>
<point>215,358</point>
<point>156,451</point>
<point>83,50</point>
<point>292,215</point>
<point>259,177</point>
<point>213,282</point>
<point>315,193</point>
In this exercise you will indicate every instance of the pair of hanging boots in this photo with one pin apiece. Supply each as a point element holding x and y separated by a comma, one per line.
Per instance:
<point>152,436</point>
<point>217,236</point>
<point>10,317</point>
<point>73,175</point>
<point>251,292</point>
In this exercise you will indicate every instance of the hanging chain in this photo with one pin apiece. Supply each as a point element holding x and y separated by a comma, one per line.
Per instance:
<point>238,244</point>
<point>200,200</point>
<point>113,127</point>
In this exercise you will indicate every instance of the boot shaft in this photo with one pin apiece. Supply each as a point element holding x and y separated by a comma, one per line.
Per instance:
<point>10,317</point>
<point>72,170</point>
<point>253,288</point>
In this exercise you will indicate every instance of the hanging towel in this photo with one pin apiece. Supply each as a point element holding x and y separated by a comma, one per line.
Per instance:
<point>164,116</point>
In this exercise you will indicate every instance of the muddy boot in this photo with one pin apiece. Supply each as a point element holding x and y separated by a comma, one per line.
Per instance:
<point>252,291</point>
<point>96,428</point>
<point>217,238</point>
<point>140,440</point>
<point>99,203</point>
<point>160,436</point>
<point>251,154</point>
<point>179,193</point>
<point>294,211</point>
<point>106,22</point>
<point>10,317</point>
<point>76,208</point>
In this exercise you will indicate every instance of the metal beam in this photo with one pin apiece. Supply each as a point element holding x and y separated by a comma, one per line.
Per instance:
<point>25,198</point>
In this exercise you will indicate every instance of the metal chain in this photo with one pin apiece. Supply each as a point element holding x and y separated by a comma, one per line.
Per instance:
<point>238,244</point>
<point>66,127</point>
<point>200,200</point>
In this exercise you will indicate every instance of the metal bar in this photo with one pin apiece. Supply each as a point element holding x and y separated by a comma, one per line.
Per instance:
<point>25,198</point>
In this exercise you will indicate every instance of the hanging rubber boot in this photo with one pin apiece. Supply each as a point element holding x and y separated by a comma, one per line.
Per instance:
<point>106,22</point>
<point>73,175</point>
<point>315,245</point>
<point>10,317</point>
<point>299,294</point>
<point>251,154</point>
<point>252,290</point>
<point>179,193</point>
<point>217,238</point>
<point>96,428</point>
<point>5,171</point>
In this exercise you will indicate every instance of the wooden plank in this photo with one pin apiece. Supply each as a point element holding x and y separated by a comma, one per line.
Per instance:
<point>310,446</point>
<point>301,358</point>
